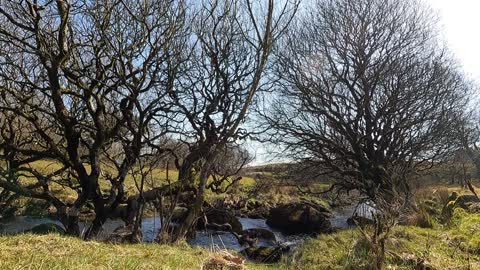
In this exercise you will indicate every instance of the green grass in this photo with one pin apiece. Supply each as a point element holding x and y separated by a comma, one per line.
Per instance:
<point>443,248</point>
<point>28,251</point>
<point>156,178</point>
<point>52,251</point>
<point>465,233</point>
<point>451,247</point>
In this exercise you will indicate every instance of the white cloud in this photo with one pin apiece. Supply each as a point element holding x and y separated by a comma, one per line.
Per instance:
<point>460,21</point>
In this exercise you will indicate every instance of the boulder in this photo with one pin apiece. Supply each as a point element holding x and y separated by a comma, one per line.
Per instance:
<point>47,228</point>
<point>474,207</point>
<point>357,220</point>
<point>467,202</point>
<point>219,218</point>
<point>318,206</point>
<point>123,234</point>
<point>297,218</point>
<point>257,210</point>
<point>260,233</point>
<point>251,236</point>
<point>463,201</point>
<point>265,254</point>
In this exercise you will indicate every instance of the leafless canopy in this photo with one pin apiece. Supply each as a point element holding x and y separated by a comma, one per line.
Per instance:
<point>83,85</point>
<point>101,87</point>
<point>366,93</point>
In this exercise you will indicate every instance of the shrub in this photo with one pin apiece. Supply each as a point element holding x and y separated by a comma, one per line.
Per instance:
<point>421,218</point>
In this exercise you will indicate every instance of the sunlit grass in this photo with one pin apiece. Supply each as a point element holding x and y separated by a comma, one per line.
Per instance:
<point>58,252</point>
<point>443,248</point>
<point>27,251</point>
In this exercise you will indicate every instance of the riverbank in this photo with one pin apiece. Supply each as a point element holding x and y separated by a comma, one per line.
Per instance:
<point>53,251</point>
<point>456,246</point>
<point>28,251</point>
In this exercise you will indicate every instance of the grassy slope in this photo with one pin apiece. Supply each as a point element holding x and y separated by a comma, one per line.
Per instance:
<point>452,247</point>
<point>157,178</point>
<point>27,251</point>
<point>57,252</point>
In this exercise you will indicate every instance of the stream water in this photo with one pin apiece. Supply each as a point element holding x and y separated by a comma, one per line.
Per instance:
<point>150,227</point>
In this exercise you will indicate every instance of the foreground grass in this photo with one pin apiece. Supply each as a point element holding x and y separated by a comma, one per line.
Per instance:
<point>52,251</point>
<point>453,247</point>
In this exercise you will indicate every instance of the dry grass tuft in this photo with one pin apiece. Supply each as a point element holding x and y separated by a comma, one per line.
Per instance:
<point>223,260</point>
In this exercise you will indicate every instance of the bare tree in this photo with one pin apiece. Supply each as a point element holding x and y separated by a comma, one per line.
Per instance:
<point>105,87</point>
<point>82,78</point>
<point>230,44</point>
<point>366,94</point>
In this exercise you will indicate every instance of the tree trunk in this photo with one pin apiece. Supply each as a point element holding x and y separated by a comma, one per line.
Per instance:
<point>100,217</point>
<point>70,222</point>
<point>95,227</point>
<point>195,209</point>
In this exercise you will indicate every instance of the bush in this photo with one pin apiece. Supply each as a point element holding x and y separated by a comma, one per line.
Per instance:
<point>422,218</point>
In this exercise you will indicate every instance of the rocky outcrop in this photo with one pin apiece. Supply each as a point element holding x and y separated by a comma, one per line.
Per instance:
<point>357,220</point>
<point>260,233</point>
<point>220,219</point>
<point>247,208</point>
<point>265,254</point>
<point>474,207</point>
<point>464,201</point>
<point>470,203</point>
<point>123,234</point>
<point>251,236</point>
<point>300,217</point>
<point>257,209</point>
